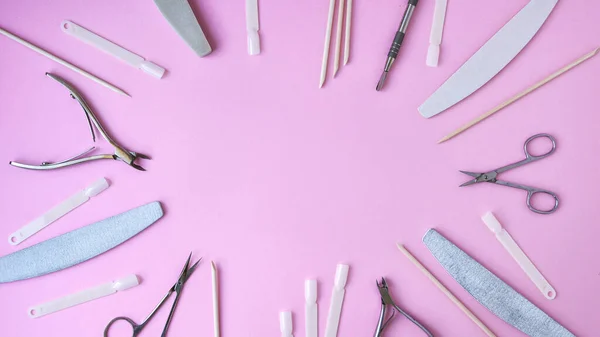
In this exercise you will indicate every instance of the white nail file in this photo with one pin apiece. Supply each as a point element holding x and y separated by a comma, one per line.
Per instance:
<point>285,324</point>
<point>515,251</point>
<point>115,50</point>
<point>83,296</point>
<point>58,211</point>
<point>252,27</point>
<point>437,28</point>
<point>337,299</point>
<point>310,309</point>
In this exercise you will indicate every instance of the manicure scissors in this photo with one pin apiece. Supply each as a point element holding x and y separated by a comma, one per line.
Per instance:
<point>121,154</point>
<point>386,300</point>
<point>176,288</point>
<point>491,176</point>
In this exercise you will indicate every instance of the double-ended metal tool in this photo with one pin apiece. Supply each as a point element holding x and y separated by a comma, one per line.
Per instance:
<point>121,154</point>
<point>397,43</point>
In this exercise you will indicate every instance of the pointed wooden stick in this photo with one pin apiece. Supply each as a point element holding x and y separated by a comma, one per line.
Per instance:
<point>520,95</point>
<point>446,292</point>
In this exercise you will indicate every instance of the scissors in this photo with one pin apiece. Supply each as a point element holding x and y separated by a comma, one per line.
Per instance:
<point>491,176</point>
<point>386,300</point>
<point>176,288</point>
<point>121,154</point>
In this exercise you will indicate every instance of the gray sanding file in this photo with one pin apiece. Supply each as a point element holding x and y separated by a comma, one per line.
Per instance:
<point>77,246</point>
<point>497,296</point>
<point>182,19</point>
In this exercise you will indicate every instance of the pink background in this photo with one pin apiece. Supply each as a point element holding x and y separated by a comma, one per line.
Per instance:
<point>278,181</point>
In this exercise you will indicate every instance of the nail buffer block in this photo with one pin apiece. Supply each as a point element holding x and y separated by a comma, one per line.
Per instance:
<point>498,297</point>
<point>77,246</point>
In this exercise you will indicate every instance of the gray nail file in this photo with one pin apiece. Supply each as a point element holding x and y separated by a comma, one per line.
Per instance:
<point>182,19</point>
<point>77,246</point>
<point>498,297</point>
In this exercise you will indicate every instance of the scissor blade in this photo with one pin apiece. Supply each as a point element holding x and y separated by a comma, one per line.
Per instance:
<point>472,174</point>
<point>470,182</point>
<point>192,269</point>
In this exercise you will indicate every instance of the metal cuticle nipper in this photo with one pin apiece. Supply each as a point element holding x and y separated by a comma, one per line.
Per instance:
<point>120,154</point>
<point>386,300</point>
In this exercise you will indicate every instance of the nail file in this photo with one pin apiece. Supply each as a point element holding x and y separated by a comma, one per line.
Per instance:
<point>285,323</point>
<point>437,28</point>
<point>498,297</point>
<point>111,48</point>
<point>83,296</point>
<point>337,299</point>
<point>515,251</point>
<point>252,27</point>
<point>58,211</point>
<point>490,59</point>
<point>181,17</point>
<point>310,308</point>
<point>77,246</point>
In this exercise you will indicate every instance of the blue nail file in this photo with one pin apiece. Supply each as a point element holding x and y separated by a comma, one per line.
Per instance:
<point>77,246</point>
<point>497,296</point>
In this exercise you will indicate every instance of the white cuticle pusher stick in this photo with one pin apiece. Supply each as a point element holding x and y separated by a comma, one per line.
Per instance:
<point>515,251</point>
<point>252,27</point>
<point>58,211</point>
<point>115,50</point>
<point>437,28</point>
<point>310,308</point>
<point>84,296</point>
<point>215,297</point>
<point>337,299</point>
<point>285,324</point>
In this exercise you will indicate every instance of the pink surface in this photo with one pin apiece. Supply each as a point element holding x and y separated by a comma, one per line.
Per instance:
<point>278,181</point>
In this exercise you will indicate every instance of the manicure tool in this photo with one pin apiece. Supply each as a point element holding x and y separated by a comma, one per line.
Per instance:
<point>77,246</point>
<point>446,292</point>
<point>110,48</point>
<point>63,62</point>
<point>490,59</point>
<point>252,27</point>
<point>386,300</point>
<point>121,154</point>
<point>338,39</point>
<point>348,31</point>
<point>491,176</point>
<point>310,308</point>
<point>437,28</point>
<point>498,297</point>
<point>327,42</point>
<point>215,297</point>
<point>337,299</point>
<point>515,251</point>
<point>397,43</point>
<point>520,95</point>
<point>176,288</point>
<point>181,17</point>
<point>285,323</point>
<point>58,211</point>
<point>83,296</point>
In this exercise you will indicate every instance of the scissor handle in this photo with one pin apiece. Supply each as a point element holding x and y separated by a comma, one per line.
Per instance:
<point>532,157</point>
<point>136,328</point>
<point>532,191</point>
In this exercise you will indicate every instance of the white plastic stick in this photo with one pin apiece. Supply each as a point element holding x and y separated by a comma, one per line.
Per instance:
<point>437,28</point>
<point>337,299</point>
<point>110,48</point>
<point>338,40</point>
<point>310,308</point>
<point>285,324</point>
<point>58,211</point>
<point>252,27</point>
<point>62,62</point>
<point>83,296</point>
<point>515,251</point>
<point>327,43</point>
<point>215,296</point>
<point>348,31</point>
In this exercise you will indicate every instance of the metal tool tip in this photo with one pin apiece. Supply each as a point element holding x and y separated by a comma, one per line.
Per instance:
<point>381,81</point>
